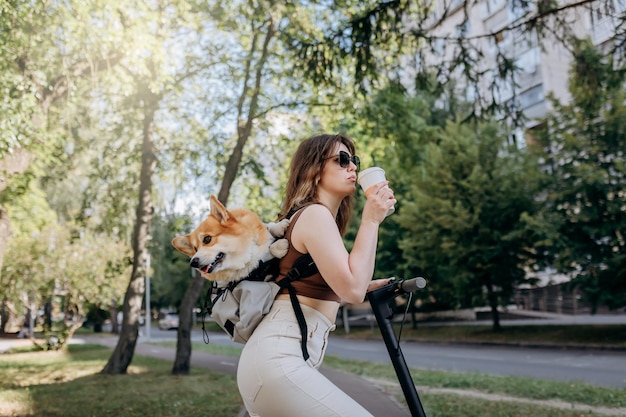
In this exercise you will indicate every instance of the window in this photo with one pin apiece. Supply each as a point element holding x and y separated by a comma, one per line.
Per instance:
<point>619,57</point>
<point>531,97</point>
<point>607,10</point>
<point>528,62</point>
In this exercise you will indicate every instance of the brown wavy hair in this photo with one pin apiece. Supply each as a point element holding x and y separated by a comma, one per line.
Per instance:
<point>305,171</point>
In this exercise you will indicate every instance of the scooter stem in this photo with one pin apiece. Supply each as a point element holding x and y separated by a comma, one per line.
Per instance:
<point>379,300</point>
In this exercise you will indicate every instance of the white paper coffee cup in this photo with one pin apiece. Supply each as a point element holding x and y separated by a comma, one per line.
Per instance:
<point>372,176</point>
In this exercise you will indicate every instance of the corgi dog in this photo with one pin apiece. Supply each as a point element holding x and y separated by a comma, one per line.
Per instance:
<point>229,244</point>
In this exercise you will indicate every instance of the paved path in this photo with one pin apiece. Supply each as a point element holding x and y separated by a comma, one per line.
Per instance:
<point>367,393</point>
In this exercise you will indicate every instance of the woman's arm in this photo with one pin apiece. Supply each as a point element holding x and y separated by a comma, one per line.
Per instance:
<point>348,274</point>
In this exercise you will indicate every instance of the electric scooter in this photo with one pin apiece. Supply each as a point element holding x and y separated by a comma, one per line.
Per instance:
<point>380,300</point>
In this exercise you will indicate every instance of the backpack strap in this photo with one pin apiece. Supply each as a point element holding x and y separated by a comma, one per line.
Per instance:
<point>303,267</point>
<point>216,292</point>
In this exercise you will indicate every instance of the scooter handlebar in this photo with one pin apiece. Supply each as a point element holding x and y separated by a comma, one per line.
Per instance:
<point>395,288</point>
<point>410,285</point>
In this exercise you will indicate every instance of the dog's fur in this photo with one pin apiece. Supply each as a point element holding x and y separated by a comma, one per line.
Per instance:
<point>228,245</point>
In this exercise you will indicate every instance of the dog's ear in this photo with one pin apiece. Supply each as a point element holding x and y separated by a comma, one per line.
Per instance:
<point>219,211</point>
<point>183,244</point>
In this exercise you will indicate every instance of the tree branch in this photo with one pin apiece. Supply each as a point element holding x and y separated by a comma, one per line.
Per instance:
<point>60,84</point>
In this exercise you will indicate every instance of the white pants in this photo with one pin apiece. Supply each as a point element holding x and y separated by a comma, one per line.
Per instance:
<point>275,381</point>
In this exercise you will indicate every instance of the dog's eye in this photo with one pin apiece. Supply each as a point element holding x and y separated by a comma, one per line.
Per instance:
<point>206,240</point>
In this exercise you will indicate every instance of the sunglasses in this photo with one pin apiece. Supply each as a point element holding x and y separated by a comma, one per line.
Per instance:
<point>344,159</point>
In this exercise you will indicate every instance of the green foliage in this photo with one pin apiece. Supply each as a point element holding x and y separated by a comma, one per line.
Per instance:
<point>19,104</point>
<point>358,36</point>
<point>369,42</point>
<point>390,130</point>
<point>71,267</point>
<point>585,142</point>
<point>467,218</point>
<point>29,211</point>
<point>170,270</point>
<point>45,50</point>
<point>466,214</point>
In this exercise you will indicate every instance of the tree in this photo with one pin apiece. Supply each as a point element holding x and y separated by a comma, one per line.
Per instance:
<point>469,216</point>
<point>124,350</point>
<point>585,143</point>
<point>54,264</point>
<point>155,82</point>
<point>465,216</point>
<point>39,65</point>
<point>262,31</point>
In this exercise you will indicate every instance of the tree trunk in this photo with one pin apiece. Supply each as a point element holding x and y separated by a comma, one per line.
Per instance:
<point>493,303</point>
<point>183,345</point>
<point>5,233</point>
<point>123,354</point>
<point>9,317</point>
<point>4,316</point>
<point>115,325</point>
<point>244,130</point>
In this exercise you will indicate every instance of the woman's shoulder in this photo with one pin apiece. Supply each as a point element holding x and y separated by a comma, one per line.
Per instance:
<point>316,211</point>
<point>315,214</point>
<point>314,221</point>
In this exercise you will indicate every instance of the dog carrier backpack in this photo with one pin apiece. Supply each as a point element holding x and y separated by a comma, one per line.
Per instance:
<point>239,306</point>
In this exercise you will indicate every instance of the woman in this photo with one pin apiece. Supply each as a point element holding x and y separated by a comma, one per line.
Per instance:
<point>273,377</point>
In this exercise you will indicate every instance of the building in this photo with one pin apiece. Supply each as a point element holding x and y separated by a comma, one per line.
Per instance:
<point>494,33</point>
<point>495,29</point>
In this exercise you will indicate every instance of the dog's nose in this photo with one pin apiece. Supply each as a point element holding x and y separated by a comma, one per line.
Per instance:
<point>194,262</point>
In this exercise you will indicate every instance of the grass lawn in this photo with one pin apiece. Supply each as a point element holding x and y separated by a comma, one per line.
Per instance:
<point>572,335</point>
<point>68,384</point>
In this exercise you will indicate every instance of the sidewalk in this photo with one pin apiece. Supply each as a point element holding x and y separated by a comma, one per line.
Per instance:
<point>368,394</point>
<point>7,343</point>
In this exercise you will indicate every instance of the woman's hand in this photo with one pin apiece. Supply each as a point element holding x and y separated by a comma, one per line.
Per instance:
<point>378,283</point>
<point>379,201</point>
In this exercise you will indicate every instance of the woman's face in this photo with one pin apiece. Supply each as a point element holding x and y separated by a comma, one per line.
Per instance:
<point>335,178</point>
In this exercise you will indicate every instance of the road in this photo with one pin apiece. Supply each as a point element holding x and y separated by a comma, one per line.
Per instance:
<point>600,368</point>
